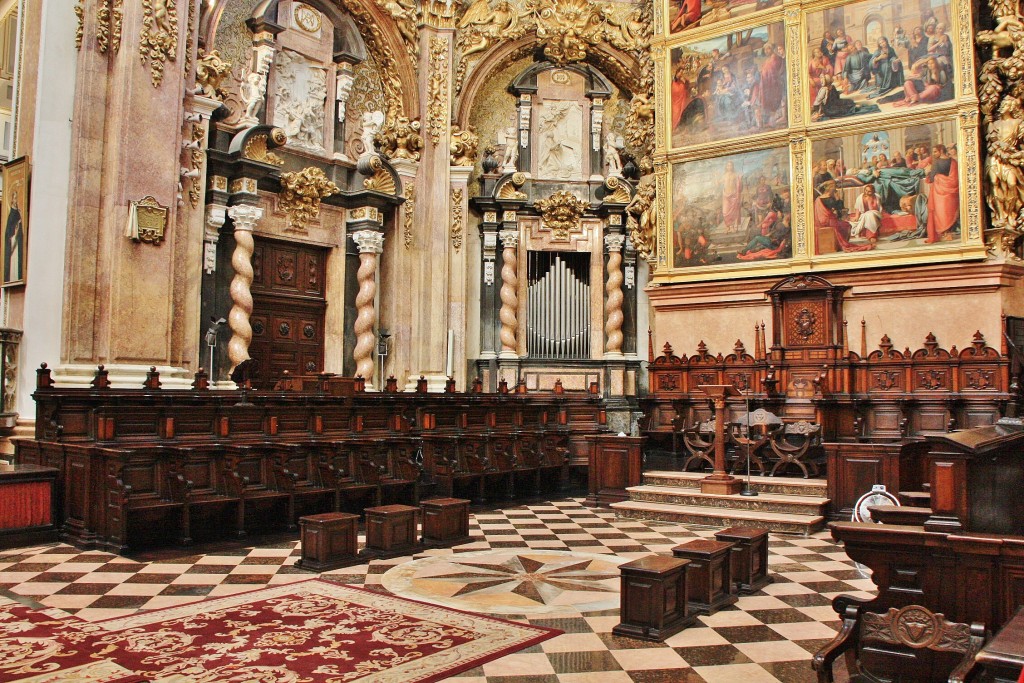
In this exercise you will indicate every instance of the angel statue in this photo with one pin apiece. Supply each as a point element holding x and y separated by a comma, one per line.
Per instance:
<point>372,122</point>
<point>508,162</point>
<point>253,95</point>
<point>612,145</point>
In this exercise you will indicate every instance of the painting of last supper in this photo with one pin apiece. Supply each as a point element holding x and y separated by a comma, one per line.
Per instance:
<point>869,58</point>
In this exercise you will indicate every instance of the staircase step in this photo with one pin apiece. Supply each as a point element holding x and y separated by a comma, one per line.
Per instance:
<point>717,517</point>
<point>767,502</point>
<point>782,485</point>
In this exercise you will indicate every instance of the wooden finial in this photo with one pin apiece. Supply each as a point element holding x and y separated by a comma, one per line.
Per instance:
<point>43,378</point>
<point>391,385</point>
<point>100,380</point>
<point>846,340</point>
<point>559,389</point>
<point>201,381</point>
<point>421,385</point>
<point>863,338</point>
<point>152,379</point>
<point>449,385</point>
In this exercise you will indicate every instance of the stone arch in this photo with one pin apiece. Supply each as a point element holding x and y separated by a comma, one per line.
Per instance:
<point>361,28</point>
<point>620,68</point>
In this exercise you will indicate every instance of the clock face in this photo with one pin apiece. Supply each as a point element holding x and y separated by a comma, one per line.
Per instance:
<point>307,18</point>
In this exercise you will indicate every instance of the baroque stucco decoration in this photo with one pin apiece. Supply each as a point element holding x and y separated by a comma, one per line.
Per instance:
<point>464,145</point>
<point>300,99</point>
<point>570,31</point>
<point>400,139</point>
<point>642,221</point>
<point>437,85</point>
<point>109,20</point>
<point>211,71</point>
<point>1001,96</point>
<point>301,193</point>
<point>158,40</point>
<point>561,213</point>
<point>258,149</point>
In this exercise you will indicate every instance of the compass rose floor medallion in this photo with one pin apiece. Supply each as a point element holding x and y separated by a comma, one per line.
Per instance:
<point>525,582</point>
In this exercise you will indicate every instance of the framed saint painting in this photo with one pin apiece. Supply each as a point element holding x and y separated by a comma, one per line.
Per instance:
<point>733,85</point>
<point>887,189</point>
<point>865,58</point>
<point>732,209</point>
<point>14,214</point>
<point>690,14</point>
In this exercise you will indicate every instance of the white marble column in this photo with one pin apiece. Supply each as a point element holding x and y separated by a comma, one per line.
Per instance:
<point>245,217</point>
<point>613,297</point>
<point>509,293</point>
<point>370,243</point>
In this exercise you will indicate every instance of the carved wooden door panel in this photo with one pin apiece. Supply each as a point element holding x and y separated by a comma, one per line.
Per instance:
<point>288,309</point>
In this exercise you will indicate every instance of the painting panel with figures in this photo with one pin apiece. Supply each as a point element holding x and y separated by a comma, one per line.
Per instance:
<point>869,58</point>
<point>729,86</point>
<point>686,14</point>
<point>732,209</point>
<point>887,189</point>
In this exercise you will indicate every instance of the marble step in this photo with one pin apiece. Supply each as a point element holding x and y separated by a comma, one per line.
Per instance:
<point>813,506</point>
<point>718,517</point>
<point>790,486</point>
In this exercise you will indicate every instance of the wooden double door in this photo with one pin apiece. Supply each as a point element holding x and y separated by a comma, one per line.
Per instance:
<point>289,303</point>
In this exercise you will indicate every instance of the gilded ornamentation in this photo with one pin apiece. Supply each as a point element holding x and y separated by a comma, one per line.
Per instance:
<point>641,221</point>
<point>510,188</point>
<point>1001,95</point>
<point>437,88</point>
<point>190,29</point>
<point>457,217</point>
<point>147,221</point>
<point>197,157</point>
<point>561,213</point>
<point>661,199</point>
<point>464,145</point>
<point>799,215</point>
<point>380,180</point>
<point>377,45</point>
<point>158,40</point>
<point>301,193</point>
<point>400,139</point>
<point>618,191</point>
<point>109,18</point>
<point>211,71</point>
<point>80,28</point>
<point>406,15</point>
<point>566,28</point>
<point>256,148</point>
<point>408,213</point>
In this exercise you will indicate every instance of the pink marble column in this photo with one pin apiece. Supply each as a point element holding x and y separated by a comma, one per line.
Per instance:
<point>509,293</point>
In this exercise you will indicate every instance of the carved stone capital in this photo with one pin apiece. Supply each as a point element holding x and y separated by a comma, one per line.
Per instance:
<point>613,243</point>
<point>368,241</point>
<point>509,238</point>
<point>245,217</point>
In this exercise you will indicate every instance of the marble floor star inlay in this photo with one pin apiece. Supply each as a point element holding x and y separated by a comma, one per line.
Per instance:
<point>511,581</point>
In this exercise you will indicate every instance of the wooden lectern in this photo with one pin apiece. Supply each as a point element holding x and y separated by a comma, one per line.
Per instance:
<point>719,481</point>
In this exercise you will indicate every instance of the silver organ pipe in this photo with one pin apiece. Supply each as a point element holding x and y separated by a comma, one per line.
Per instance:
<point>558,305</point>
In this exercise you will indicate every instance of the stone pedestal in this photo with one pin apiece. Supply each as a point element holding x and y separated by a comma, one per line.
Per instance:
<point>390,531</point>
<point>329,541</point>
<point>445,522</point>
<point>749,557</point>
<point>654,598</point>
<point>709,578</point>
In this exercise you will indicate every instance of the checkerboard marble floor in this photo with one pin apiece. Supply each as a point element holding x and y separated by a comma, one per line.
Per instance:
<point>769,636</point>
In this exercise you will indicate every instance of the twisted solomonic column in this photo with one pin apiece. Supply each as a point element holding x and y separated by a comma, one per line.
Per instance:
<point>244,218</point>
<point>509,293</point>
<point>370,243</point>
<point>614,298</point>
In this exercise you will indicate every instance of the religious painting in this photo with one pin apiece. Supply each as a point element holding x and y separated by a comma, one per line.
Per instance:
<point>886,189</point>
<point>14,214</point>
<point>729,86</point>
<point>685,14</point>
<point>732,209</point>
<point>869,58</point>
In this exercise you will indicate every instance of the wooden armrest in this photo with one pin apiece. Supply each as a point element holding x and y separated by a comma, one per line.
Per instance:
<point>843,642</point>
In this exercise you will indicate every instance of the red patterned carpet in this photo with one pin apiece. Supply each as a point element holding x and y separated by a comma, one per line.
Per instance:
<point>308,632</point>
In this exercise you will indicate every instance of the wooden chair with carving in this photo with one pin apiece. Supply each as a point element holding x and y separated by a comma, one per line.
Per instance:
<point>907,645</point>
<point>699,440</point>
<point>794,444</point>
<point>751,432</point>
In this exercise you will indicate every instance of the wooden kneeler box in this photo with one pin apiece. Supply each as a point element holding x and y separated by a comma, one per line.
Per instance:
<point>654,598</point>
<point>329,541</point>
<point>390,532</point>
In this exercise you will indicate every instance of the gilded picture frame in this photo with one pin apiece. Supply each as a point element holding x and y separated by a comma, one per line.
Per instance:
<point>948,110</point>
<point>15,219</point>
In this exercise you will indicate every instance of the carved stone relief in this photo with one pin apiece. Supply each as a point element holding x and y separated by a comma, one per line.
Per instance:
<point>560,141</point>
<point>300,97</point>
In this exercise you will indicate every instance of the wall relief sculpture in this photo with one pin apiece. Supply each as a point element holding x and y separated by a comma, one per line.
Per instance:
<point>1001,97</point>
<point>561,213</point>
<point>641,221</point>
<point>301,193</point>
<point>561,141</point>
<point>300,99</point>
<point>211,71</point>
<point>158,40</point>
<point>464,145</point>
<point>400,139</point>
